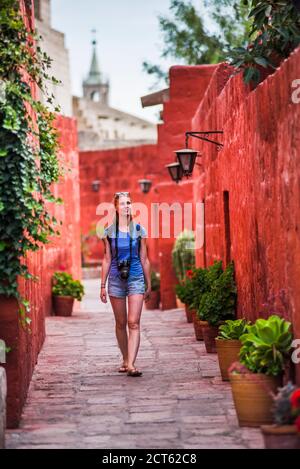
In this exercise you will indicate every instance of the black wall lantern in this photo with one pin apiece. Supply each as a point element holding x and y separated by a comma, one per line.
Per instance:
<point>175,171</point>
<point>187,157</point>
<point>96,186</point>
<point>145,185</point>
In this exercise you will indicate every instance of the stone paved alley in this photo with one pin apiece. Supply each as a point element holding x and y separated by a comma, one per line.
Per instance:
<point>78,400</point>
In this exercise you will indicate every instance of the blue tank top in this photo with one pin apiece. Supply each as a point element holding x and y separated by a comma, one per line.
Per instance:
<point>136,268</point>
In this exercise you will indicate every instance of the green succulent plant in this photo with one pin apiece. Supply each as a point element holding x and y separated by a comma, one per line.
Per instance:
<point>233,329</point>
<point>266,345</point>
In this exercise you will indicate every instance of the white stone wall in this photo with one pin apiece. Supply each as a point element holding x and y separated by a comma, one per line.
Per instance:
<point>54,45</point>
<point>102,127</point>
<point>44,9</point>
<point>3,391</point>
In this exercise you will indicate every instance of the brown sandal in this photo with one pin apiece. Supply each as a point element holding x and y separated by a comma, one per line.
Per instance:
<point>134,372</point>
<point>123,369</point>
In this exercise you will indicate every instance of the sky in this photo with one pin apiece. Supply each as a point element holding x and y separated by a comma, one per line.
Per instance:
<point>127,34</point>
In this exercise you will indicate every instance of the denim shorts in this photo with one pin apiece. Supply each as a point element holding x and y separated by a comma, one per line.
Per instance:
<point>122,288</point>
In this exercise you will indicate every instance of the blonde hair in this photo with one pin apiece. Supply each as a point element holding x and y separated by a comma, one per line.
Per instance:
<point>117,196</point>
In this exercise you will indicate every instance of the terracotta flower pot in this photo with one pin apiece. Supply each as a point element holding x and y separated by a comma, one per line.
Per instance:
<point>63,305</point>
<point>153,301</point>
<point>252,397</point>
<point>280,436</point>
<point>197,327</point>
<point>209,335</point>
<point>228,353</point>
<point>189,314</point>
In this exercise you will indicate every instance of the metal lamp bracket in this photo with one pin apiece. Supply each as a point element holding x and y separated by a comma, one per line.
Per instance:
<point>204,136</point>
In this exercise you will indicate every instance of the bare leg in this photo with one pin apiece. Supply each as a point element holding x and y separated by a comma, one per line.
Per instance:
<point>120,312</point>
<point>135,304</point>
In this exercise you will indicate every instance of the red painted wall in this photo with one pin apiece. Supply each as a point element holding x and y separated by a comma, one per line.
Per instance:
<point>63,251</point>
<point>117,170</point>
<point>260,168</point>
<point>120,169</point>
<point>187,88</point>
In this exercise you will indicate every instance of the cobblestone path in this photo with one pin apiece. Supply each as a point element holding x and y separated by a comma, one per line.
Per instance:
<point>78,400</point>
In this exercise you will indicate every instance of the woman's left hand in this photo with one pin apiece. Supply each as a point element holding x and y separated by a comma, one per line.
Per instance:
<point>147,294</point>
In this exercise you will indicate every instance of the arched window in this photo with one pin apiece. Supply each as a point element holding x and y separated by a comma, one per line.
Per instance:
<point>95,96</point>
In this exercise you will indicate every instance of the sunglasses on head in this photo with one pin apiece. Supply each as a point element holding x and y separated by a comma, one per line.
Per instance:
<point>122,193</point>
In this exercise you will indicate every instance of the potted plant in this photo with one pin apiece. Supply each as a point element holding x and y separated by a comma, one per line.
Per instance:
<point>180,293</point>
<point>228,344</point>
<point>197,326</point>
<point>284,433</point>
<point>183,293</point>
<point>190,310</point>
<point>154,298</point>
<point>64,291</point>
<point>183,257</point>
<point>265,349</point>
<point>218,303</point>
<point>199,285</point>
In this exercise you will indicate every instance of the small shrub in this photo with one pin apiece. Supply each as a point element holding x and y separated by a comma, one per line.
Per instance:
<point>219,302</point>
<point>65,285</point>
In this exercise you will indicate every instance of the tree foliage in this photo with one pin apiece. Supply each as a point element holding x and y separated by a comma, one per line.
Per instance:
<point>188,38</point>
<point>248,34</point>
<point>274,34</point>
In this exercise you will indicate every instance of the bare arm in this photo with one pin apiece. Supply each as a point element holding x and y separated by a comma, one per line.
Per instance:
<point>106,262</point>
<point>145,263</point>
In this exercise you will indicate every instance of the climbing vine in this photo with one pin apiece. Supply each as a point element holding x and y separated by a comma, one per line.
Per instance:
<point>29,161</point>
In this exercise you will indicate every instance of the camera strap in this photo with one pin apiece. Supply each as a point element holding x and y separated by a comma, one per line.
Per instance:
<point>139,239</point>
<point>130,247</point>
<point>130,244</point>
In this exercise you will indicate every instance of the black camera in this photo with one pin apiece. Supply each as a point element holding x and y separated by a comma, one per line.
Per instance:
<point>124,267</point>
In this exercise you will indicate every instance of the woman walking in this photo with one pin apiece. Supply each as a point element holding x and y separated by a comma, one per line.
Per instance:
<point>127,267</point>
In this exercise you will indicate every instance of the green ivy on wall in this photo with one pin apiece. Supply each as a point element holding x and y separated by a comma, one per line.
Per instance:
<point>29,161</point>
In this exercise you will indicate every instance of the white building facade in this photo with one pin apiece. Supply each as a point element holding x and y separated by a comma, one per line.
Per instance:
<point>99,125</point>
